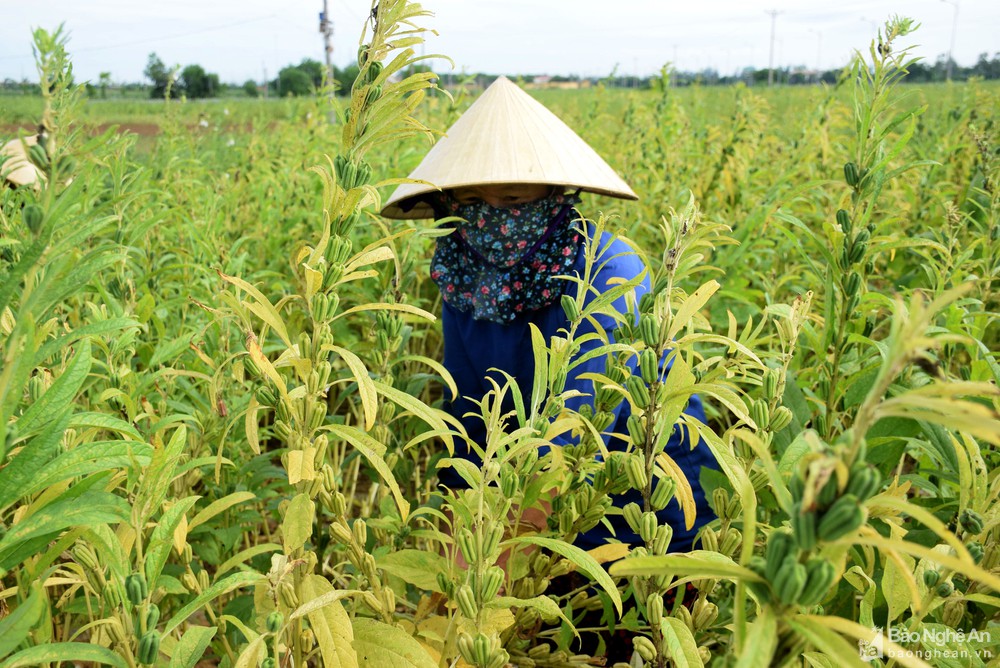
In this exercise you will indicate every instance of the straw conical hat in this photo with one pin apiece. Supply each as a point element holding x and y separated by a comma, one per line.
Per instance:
<point>17,168</point>
<point>505,137</point>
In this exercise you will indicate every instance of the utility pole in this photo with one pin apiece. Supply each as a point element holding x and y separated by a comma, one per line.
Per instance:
<point>770,61</point>
<point>954,29</point>
<point>326,28</point>
<point>267,86</point>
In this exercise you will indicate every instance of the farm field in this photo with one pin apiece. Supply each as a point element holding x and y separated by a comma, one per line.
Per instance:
<point>222,396</point>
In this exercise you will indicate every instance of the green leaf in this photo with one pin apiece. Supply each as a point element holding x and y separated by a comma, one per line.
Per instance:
<point>88,458</point>
<point>61,393</point>
<point>219,506</point>
<point>762,640</point>
<point>161,540</point>
<point>540,383</point>
<point>578,557</point>
<point>191,646</point>
<point>90,508</point>
<point>223,586</point>
<point>330,624</point>
<point>680,642</point>
<point>697,563</point>
<point>297,525</point>
<point>827,641</point>
<point>379,645</point>
<point>366,387</point>
<point>65,652</point>
<point>16,626</point>
<point>23,469</point>
<point>371,450</point>
<point>544,605</point>
<point>416,567</point>
<point>156,481</point>
<point>433,417</point>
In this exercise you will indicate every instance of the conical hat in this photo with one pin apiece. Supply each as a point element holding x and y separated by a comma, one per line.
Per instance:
<point>17,168</point>
<point>506,137</point>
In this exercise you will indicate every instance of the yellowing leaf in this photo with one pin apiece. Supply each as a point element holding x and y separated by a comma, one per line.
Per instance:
<point>683,493</point>
<point>301,465</point>
<point>379,645</point>
<point>297,525</point>
<point>366,387</point>
<point>262,307</point>
<point>330,624</point>
<point>609,552</point>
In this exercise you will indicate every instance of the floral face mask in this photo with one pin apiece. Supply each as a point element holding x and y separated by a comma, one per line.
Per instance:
<point>504,262</point>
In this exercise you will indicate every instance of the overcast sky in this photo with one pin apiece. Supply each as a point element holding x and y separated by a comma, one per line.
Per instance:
<point>243,40</point>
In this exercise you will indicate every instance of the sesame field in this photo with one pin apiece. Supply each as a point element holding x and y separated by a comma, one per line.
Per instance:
<point>222,396</point>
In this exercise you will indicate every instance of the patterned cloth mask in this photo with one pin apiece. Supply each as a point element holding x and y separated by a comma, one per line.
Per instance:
<point>505,261</point>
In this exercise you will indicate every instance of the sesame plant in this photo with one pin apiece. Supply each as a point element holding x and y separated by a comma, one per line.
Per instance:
<point>222,401</point>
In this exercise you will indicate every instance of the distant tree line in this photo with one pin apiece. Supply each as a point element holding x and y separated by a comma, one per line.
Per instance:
<point>306,78</point>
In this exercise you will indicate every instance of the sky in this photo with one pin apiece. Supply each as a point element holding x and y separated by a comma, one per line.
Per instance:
<point>251,39</point>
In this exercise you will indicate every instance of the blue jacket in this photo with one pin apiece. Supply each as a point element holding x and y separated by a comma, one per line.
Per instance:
<point>473,347</point>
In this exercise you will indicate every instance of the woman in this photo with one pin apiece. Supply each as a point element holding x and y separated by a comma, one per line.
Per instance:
<point>513,171</point>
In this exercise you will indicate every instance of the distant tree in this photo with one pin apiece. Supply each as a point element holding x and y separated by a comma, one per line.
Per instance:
<point>198,83</point>
<point>158,73</point>
<point>105,81</point>
<point>314,69</point>
<point>294,81</point>
<point>345,78</point>
<point>250,88</point>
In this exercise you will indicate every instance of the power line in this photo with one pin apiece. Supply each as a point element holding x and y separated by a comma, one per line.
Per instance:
<point>154,39</point>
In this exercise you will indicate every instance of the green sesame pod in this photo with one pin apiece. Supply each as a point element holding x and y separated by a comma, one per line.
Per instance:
<point>633,516</point>
<point>363,54</point>
<point>274,622</point>
<point>760,412</point>
<point>373,94</point>
<point>654,609</point>
<point>135,588</point>
<point>976,551</point>
<point>492,581</point>
<point>780,544</point>
<point>760,590</point>
<point>858,249</point>
<point>661,539</point>
<point>645,647</point>
<point>149,647</point>
<point>364,173</point>
<point>931,577</point>
<point>769,380</point>
<point>971,521</point>
<point>864,482</point>
<point>251,367</point>
<point>268,662</point>
<point>662,493</point>
<point>844,220</point>
<point>649,331</point>
<point>945,589</point>
<point>266,396</point>
<point>790,580</point>
<point>374,70</point>
<point>781,418</point>
<point>828,492</point>
<point>467,601</point>
<point>647,527</point>
<point>33,216</point>
<point>467,648</point>
<point>467,544</point>
<point>482,650</point>
<point>804,528</point>
<point>819,576</point>
<point>649,365</point>
<point>720,501</point>
<point>635,469</point>
<point>843,517</point>
<point>852,284</point>
<point>491,540</point>
<point>851,175</point>
<point>152,616</point>
<point>570,307</point>
<point>340,163</point>
<point>637,389</point>
<point>636,432</point>
<point>444,584</point>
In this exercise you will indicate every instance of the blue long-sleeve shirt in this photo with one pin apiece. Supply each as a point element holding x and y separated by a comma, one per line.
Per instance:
<point>473,347</point>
